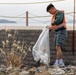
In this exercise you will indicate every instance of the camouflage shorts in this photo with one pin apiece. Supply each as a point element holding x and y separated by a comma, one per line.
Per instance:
<point>60,37</point>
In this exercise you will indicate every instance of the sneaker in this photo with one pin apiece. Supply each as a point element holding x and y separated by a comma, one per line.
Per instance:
<point>55,66</point>
<point>61,65</point>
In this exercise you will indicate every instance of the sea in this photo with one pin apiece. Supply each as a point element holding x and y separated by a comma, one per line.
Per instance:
<point>69,25</point>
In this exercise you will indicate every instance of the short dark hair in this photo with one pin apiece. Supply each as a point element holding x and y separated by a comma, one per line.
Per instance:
<point>49,7</point>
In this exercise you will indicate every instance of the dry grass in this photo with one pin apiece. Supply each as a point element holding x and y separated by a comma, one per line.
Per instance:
<point>18,50</point>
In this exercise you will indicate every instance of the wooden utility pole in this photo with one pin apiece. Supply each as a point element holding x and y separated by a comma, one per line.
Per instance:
<point>73,36</point>
<point>26,18</point>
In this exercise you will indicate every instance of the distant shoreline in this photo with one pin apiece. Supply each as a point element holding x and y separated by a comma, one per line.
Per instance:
<point>28,27</point>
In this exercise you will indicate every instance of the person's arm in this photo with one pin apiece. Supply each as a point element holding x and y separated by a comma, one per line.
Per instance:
<point>59,18</point>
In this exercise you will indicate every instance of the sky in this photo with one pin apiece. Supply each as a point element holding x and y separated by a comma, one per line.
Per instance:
<point>33,9</point>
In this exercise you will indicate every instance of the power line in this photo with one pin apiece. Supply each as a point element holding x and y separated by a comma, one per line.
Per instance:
<point>46,21</point>
<point>68,13</point>
<point>35,2</point>
<point>48,15</point>
<point>32,17</point>
<point>20,19</point>
<point>39,20</point>
<point>11,17</point>
<point>21,14</point>
<point>24,17</point>
<point>32,14</point>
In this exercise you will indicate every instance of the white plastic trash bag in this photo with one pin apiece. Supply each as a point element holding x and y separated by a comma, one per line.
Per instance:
<point>44,58</point>
<point>41,50</point>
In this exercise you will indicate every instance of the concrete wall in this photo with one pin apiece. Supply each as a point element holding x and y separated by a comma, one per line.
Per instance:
<point>67,49</point>
<point>31,36</point>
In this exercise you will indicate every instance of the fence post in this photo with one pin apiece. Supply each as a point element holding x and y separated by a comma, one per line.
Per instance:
<point>26,18</point>
<point>73,35</point>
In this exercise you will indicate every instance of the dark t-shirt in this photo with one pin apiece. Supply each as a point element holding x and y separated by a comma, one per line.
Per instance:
<point>59,18</point>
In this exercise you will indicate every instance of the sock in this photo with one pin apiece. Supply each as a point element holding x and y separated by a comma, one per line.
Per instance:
<point>61,61</point>
<point>56,62</point>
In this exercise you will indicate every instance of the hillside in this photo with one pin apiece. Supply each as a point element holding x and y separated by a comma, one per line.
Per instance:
<point>6,21</point>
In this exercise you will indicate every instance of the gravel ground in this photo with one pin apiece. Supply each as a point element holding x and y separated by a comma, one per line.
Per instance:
<point>69,70</point>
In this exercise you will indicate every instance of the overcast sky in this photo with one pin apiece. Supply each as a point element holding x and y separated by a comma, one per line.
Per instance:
<point>36,9</point>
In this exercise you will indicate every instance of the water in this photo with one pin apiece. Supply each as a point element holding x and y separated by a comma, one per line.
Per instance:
<point>69,25</point>
<point>31,24</point>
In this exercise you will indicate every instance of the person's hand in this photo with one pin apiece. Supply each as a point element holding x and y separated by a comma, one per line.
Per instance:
<point>53,27</point>
<point>48,26</point>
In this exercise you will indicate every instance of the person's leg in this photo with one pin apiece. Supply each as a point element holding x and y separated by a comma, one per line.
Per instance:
<point>58,44</point>
<point>59,52</point>
<point>58,55</point>
<point>59,60</point>
<point>59,40</point>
